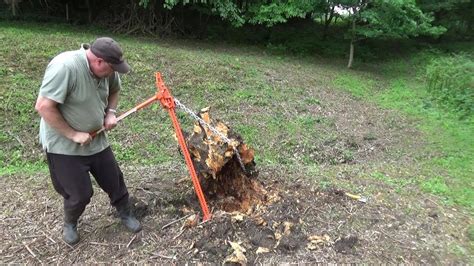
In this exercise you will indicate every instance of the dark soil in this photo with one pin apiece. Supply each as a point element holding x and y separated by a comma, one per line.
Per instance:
<point>299,223</point>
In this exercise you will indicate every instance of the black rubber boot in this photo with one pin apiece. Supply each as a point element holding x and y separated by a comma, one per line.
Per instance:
<point>128,219</point>
<point>71,216</point>
<point>70,234</point>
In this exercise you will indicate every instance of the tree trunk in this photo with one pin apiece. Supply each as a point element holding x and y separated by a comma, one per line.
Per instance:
<point>67,11</point>
<point>351,54</point>
<point>351,51</point>
<point>327,21</point>
<point>223,180</point>
<point>13,6</point>
<point>89,11</point>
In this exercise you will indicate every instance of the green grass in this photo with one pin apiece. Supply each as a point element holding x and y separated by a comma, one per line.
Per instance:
<point>470,232</point>
<point>272,101</point>
<point>27,168</point>
<point>403,89</point>
<point>358,86</point>
<point>397,183</point>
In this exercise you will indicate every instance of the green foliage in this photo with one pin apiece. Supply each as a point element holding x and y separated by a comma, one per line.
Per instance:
<point>239,13</point>
<point>143,3</point>
<point>226,9</point>
<point>375,18</point>
<point>454,15</point>
<point>386,19</point>
<point>451,82</point>
<point>394,19</point>
<point>274,12</point>
<point>229,11</point>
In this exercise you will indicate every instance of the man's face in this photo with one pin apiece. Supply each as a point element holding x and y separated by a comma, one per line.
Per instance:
<point>102,69</point>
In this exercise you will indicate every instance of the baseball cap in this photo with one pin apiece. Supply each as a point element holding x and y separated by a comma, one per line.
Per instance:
<point>109,50</point>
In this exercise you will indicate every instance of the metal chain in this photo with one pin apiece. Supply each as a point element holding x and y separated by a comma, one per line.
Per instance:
<point>211,128</point>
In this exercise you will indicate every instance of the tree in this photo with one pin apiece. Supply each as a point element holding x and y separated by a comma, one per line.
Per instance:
<point>227,9</point>
<point>387,19</point>
<point>455,15</point>
<point>240,12</point>
<point>270,13</point>
<point>368,19</point>
<point>325,11</point>
<point>13,6</point>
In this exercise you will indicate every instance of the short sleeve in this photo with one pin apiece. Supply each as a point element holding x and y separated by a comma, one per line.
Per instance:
<point>115,84</point>
<point>56,82</point>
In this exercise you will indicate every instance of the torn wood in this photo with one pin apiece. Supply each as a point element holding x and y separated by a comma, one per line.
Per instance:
<point>219,169</point>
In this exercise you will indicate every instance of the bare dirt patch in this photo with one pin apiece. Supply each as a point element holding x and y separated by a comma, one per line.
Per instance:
<point>302,223</point>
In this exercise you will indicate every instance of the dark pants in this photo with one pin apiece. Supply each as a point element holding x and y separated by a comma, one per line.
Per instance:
<point>70,178</point>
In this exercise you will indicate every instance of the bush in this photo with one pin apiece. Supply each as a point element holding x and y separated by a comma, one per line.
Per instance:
<point>451,82</point>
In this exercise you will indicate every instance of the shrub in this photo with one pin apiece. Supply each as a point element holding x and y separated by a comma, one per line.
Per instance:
<point>451,82</point>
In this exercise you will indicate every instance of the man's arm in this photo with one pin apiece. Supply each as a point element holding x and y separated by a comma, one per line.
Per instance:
<point>48,110</point>
<point>110,120</point>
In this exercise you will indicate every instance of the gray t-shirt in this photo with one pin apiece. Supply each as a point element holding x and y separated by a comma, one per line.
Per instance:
<point>82,99</point>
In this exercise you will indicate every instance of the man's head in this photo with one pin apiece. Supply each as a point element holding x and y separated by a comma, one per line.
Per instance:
<point>109,57</point>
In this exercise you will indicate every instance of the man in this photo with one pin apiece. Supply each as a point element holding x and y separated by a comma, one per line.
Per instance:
<point>79,95</point>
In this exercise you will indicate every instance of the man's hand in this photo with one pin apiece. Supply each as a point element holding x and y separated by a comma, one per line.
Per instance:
<point>110,121</point>
<point>48,110</point>
<point>82,138</point>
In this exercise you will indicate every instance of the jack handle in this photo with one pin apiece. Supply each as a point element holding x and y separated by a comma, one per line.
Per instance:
<point>129,112</point>
<point>162,94</point>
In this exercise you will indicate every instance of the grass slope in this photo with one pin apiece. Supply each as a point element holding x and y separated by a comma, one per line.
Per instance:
<point>295,112</point>
<point>245,88</point>
<point>450,171</point>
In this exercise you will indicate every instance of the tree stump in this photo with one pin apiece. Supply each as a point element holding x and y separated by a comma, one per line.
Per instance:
<point>222,178</point>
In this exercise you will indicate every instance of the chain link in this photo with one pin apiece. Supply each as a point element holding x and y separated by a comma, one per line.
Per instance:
<point>211,128</point>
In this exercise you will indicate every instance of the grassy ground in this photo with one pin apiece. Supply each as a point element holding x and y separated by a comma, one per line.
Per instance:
<point>448,173</point>
<point>384,137</point>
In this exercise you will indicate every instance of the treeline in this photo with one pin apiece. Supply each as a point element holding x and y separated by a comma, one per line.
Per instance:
<point>354,20</point>
<point>326,27</point>
<point>191,17</point>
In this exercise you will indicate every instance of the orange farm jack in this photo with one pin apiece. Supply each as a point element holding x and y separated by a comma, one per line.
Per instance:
<point>167,101</point>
